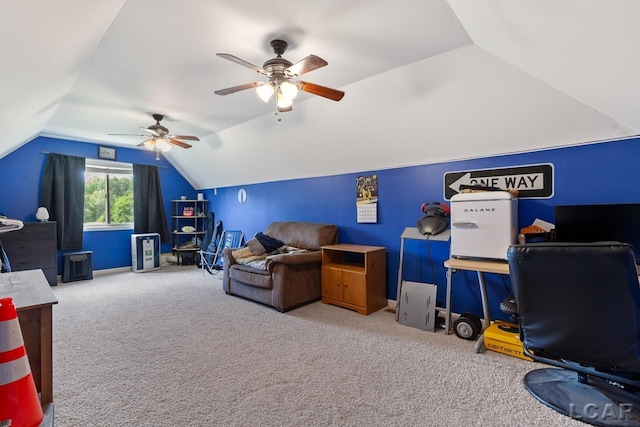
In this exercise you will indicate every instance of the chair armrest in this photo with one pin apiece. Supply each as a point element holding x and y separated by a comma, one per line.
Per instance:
<point>296,258</point>
<point>227,257</point>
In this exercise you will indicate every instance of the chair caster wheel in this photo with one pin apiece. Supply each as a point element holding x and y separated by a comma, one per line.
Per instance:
<point>468,326</point>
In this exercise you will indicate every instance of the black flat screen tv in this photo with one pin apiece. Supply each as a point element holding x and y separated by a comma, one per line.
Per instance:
<point>595,223</point>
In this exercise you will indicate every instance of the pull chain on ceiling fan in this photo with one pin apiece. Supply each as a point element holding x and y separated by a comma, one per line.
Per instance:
<point>280,72</point>
<point>161,140</point>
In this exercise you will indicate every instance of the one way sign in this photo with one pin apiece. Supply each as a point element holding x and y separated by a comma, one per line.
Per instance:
<point>531,181</point>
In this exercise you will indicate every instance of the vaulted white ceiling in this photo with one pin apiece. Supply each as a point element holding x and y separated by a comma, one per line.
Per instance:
<point>425,80</point>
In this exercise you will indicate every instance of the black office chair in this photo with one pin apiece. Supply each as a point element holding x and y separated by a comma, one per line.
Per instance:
<point>578,306</point>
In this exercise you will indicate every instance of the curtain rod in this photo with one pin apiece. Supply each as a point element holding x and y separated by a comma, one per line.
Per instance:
<point>103,160</point>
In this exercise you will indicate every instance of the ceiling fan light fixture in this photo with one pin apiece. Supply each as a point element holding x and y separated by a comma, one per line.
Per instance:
<point>149,144</point>
<point>265,91</point>
<point>289,90</point>
<point>162,145</point>
<point>283,102</point>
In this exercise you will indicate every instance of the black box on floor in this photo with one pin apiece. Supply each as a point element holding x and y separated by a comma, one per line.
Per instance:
<point>186,258</point>
<point>77,266</point>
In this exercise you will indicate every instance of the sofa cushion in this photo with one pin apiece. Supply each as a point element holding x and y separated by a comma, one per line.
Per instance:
<point>251,276</point>
<point>304,235</point>
<point>255,247</point>
<point>262,243</point>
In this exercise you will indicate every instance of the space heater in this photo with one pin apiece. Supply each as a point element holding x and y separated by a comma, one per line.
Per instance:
<point>145,252</point>
<point>77,266</point>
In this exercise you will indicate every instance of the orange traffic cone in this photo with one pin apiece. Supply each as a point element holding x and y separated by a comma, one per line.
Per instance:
<point>19,403</point>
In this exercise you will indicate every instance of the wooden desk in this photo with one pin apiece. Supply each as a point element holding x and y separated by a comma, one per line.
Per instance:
<point>481,266</point>
<point>34,299</point>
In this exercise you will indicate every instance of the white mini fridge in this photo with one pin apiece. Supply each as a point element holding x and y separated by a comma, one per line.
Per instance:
<point>145,252</point>
<point>483,224</point>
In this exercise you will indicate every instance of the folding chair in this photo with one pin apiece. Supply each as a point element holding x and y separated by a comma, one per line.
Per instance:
<point>210,259</point>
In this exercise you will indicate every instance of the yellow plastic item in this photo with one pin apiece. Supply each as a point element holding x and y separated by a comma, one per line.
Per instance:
<point>503,337</point>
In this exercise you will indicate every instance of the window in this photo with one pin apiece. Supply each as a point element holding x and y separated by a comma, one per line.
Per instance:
<point>108,195</point>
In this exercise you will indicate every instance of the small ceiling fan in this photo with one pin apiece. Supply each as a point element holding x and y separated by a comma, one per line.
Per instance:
<point>159,138</point>
<point>280,72</point>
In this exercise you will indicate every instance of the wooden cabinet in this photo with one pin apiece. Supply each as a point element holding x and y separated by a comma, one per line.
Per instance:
<point>33,247</point>
<point>354,277</point>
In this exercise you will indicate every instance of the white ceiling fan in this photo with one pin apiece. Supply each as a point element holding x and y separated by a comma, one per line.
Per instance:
<point>281,73</point>
<point>159,138</point>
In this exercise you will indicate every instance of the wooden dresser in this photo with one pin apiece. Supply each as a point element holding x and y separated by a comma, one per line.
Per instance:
<point>33,247</point>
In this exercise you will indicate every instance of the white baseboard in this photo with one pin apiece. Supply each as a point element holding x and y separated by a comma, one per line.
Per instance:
<point>111,270</point>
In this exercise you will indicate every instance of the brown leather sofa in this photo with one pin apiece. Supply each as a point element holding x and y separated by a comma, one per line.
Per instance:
<point>291,279</point>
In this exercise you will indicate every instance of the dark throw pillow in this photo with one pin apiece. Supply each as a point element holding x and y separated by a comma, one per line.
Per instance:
<point>269,243</point>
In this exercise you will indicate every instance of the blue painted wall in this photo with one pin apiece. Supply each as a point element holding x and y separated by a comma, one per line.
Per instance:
<point>595,173</point>
<point>21,173</point>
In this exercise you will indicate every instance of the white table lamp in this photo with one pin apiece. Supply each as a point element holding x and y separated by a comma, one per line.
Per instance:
<point>42,214</point>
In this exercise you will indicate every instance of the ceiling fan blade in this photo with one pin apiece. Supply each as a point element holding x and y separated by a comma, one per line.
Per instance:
<point>242,62</point>
<point>126,134</point>
<point>179,143</point>
<point>151,131</point>
<point>187,137</point>
<point>307,64</point>
<point>235,89</point>
<point>323,91</point>
<point>144,142</point>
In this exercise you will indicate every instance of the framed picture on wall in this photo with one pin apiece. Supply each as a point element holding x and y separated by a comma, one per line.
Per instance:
<point>108,153</point>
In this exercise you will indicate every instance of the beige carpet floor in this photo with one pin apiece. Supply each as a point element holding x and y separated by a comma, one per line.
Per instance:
<point>169,347</point>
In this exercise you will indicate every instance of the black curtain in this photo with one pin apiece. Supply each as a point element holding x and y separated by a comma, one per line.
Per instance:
<point>62,193</point>
<point>148,208</point>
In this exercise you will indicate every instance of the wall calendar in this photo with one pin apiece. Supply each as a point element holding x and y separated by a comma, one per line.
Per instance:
<point>367,199</point>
